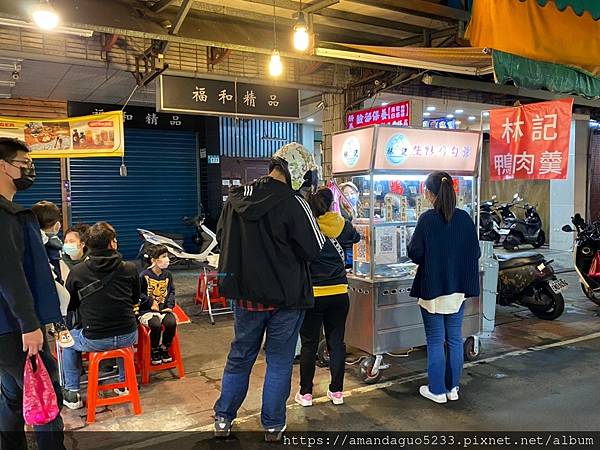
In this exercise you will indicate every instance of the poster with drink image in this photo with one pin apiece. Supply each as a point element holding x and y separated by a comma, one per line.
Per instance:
<point>76,137</point>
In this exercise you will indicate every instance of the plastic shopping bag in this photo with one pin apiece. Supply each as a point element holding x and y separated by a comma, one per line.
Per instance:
<point>595,267</point>
<point>40,405</point>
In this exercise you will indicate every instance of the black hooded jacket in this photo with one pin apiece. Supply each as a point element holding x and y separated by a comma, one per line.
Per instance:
<point>108,312</point>
<point>268,235</point>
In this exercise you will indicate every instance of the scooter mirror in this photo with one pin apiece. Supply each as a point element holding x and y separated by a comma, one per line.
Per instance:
<point>516,197</point>
<point>494,197</point>
<point>568,229</point>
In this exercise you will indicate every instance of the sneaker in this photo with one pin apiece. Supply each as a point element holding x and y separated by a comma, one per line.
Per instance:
<point>336,397</point>
<point>425,392</point>
<point>222,427</point>
<point>64,338</point>
<point>274,434</point>
<point>121,391</point>
<point>72,399</point>
<point>453,394</point>
<point>165,355</point>
<point>303,400</point>
<point>156,357</point>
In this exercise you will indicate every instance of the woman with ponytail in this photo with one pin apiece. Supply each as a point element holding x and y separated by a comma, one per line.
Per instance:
<point>446,249</point>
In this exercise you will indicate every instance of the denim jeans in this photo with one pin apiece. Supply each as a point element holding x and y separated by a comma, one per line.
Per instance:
<point>12,434</point>
<point>444,370</point>
<point>72,355</point>
<point>282,327</point>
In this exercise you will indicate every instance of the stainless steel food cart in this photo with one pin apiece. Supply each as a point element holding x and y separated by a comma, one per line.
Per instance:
<point>388,165</point>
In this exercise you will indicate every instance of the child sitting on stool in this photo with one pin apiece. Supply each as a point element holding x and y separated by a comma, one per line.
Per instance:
<point>157,303</point>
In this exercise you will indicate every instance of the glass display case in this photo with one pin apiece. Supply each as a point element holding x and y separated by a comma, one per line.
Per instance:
<point>385,168</point>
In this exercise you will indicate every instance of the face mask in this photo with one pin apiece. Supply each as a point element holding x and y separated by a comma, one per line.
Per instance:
<point>162,264</point>
<point>71,249</point>
<point>26,180</point>
<point>44,238</point>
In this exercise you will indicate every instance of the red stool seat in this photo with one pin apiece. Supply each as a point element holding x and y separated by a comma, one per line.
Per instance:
<point>208,290</point>
<point>144,359</point>
<point>93,400</point>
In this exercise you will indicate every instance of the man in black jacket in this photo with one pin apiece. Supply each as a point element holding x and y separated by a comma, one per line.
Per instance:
<point>267,236</point>
<point>105,290</point>
<point>28,300</point>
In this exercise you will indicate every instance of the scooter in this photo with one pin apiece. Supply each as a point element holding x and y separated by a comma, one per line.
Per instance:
<point>528,279</point>
<point>587,246</point>
<point>489,221</point>
<point>517,232</point>
<point>204,238</point>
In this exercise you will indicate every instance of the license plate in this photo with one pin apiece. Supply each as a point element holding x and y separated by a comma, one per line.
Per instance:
<point>504,231</point>
<point>558,285</point>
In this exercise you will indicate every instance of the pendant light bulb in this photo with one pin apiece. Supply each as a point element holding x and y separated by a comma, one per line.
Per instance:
<point>275,65</point>
<point>301,36</point>
<point>45,16</point>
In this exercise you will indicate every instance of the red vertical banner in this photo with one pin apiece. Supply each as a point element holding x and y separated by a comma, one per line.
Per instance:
<point>531,142</point>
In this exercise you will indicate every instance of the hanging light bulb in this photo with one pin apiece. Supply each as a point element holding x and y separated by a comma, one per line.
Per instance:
<point>45,16</point>
<point>275,66</point>
<point>301,36</point>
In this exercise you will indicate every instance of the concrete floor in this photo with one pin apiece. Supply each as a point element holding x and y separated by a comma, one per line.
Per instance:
<point>551,388</point>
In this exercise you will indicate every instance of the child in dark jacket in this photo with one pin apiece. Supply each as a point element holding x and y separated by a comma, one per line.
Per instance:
<point>330,287</point>
<point>157,303</point>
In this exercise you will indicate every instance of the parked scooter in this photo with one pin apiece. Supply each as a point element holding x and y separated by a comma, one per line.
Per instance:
<point>587,246</point>
<point>204,238</point>
<point>489,221</point>
<point>517,232</point>
<point>528,279</point>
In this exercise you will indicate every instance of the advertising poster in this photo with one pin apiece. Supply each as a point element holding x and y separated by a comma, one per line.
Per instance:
<point>76,137</point>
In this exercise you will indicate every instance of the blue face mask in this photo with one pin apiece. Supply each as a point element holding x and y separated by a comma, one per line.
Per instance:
<point>71,249</point>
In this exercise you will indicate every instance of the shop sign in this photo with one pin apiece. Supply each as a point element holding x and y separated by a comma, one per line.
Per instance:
<point>214,159</point>
<point>353,150</point>
<point>216,97</point>
<point>449,124</point>
<point>394,114</point>
<point>137,116</point>
<point>76,137</point>
<point>531,142</point>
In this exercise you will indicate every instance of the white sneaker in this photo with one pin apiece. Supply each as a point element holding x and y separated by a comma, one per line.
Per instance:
<point>453,394</point>
<point>121,391</point>
<point>304,400</point>
<point>336,397</point>
<point>425,392</point>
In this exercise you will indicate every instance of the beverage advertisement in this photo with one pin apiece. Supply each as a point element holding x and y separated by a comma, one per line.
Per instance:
<point>76,137</point>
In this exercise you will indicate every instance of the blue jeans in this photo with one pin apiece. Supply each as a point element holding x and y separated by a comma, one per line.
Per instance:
<point>72,355</point>
<point>444,370</point>
<point>282,327</point>
<point>12,434</point>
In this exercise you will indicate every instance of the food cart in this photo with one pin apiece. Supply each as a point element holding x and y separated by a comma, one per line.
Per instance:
<point>389,166</point>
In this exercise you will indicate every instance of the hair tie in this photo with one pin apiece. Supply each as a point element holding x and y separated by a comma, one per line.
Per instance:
<point>444,179</point>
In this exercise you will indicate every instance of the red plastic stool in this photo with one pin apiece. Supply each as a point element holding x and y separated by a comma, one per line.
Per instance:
<point>207,295</point>
<point>144,348</point>
<point>93,400</point>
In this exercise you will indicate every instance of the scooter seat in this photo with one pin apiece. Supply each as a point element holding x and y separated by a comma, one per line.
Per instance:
<point>519,260</point>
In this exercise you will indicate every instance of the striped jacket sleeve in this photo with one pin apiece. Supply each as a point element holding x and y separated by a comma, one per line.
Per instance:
<point>305,232</point>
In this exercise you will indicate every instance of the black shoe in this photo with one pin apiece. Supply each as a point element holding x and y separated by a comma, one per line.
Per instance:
<point>274,434</point>
<point>222,427</point>
<point>156,357</point>
<point>165,355</point>
<point>72,399</point>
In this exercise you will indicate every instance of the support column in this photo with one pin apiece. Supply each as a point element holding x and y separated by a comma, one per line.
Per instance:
<point>333,120</point>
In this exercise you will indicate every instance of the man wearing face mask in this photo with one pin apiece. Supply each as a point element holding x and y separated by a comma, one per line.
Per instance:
<point>28,300</point>
<point>105,290</point>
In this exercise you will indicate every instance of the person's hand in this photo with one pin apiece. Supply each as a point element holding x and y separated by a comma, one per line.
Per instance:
<point>155,306</point>
<point>33,342</point>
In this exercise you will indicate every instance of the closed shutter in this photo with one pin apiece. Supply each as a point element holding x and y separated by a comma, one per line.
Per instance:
<point>46,186</point>
<point>160,189</point>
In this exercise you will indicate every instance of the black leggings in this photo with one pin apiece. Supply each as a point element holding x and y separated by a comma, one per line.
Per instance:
<point>155,325</point>
<point>330,311</point>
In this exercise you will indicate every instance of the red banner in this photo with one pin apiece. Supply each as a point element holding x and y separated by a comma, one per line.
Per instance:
<point>396,114</point>
<point>531,142</point>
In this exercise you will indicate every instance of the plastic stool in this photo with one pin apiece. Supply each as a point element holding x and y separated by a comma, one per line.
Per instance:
<point>93,400</point>
<point>144,348</point>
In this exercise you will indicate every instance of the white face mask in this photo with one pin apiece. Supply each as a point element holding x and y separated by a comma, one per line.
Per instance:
<point>71,249</point>
<point>162,263</point>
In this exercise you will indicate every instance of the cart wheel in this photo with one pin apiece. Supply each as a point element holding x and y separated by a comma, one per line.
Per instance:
<point>366,371</point>
<point>471,354</point>
<point>323,354</point>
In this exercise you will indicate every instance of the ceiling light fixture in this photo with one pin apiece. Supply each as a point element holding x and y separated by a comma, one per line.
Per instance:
<point>310,120</point>
<point>82,32</point>
<point>385,103</point>
<point>45,16</point>
<point>426,114</point>
<point>301,36</point>
<point>431,108</point>
<point>486,114</point>
<point>449,116</point>
<point>472,118</point>
<point>275,66</point>
<point>459,111</point>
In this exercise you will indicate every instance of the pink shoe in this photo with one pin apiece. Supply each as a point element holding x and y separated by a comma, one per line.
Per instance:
<point>336,397</point>
<point>304,400</point>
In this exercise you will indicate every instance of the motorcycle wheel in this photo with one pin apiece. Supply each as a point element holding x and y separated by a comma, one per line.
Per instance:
<point>556,308</point>
<point>541,240</point>
<point>509,244</point>
<point>591,294</point>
